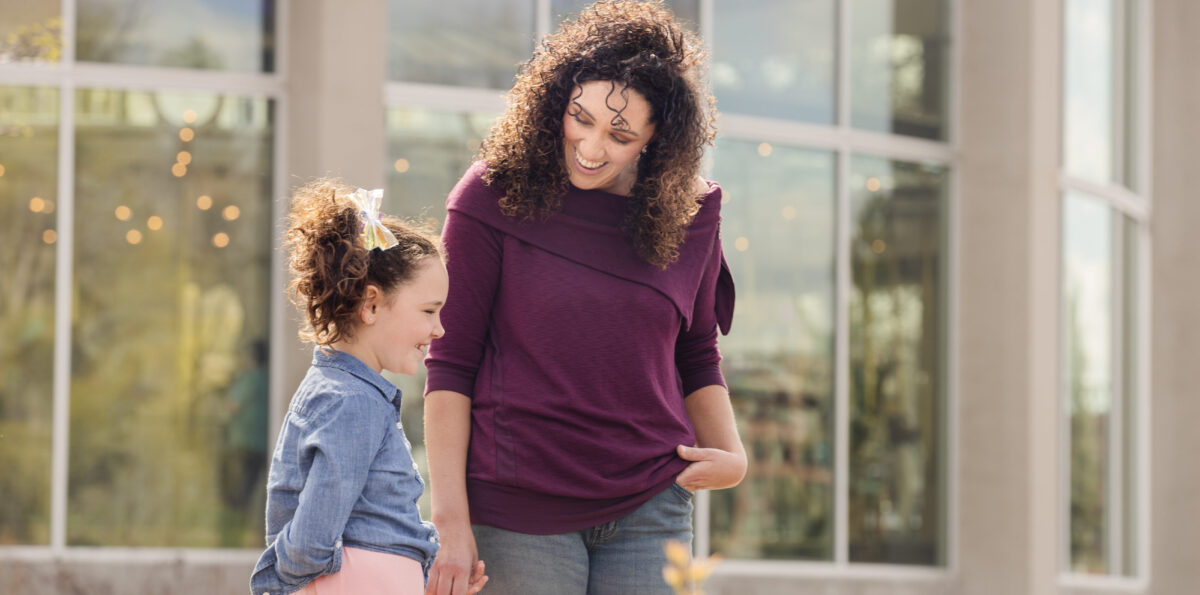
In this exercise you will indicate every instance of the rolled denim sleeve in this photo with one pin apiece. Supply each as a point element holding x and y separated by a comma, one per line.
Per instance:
<point>338,442</point>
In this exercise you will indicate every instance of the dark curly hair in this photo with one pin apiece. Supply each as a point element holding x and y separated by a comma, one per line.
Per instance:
<point>331,267</point>
<point>640,45</point>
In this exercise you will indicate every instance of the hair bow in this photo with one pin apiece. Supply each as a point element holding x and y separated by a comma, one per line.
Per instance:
<point>374,233</point>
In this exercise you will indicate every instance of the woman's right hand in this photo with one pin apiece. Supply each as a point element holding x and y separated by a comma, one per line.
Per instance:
<point>457,569</point>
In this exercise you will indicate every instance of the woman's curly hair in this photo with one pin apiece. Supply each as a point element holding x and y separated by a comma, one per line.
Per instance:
<point>331,266</point>
<point>640,45</point>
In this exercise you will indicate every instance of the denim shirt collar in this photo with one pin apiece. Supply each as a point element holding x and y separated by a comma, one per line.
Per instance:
<point>344,361</point>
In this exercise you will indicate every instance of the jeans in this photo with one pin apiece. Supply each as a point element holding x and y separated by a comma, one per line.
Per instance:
<point>622,557</point>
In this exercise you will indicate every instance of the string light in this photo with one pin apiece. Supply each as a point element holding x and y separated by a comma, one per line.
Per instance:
<point>186,135</point>
<point>873,184</point>
<point>401,165</point>
<point>189,116</point>
<point>154,223</point>
<point>123,213</point>
<point>231,213</point>
<point>36,204</point>
<point>742,244</point>
<point>204,203</point>
<point>179,170</point>
<point>221,240</point>
<point>133,236</point>
<point>49,236</point>
<point>764,149</point>
<point>184,157</point>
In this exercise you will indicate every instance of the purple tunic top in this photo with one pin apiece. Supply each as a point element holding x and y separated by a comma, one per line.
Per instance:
<point>577,355</point>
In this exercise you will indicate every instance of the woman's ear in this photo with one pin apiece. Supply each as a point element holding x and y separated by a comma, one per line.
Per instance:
<point>371,300</point>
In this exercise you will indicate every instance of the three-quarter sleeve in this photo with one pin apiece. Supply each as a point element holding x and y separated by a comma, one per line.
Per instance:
<point>696,353</point>
<point>474,252</point>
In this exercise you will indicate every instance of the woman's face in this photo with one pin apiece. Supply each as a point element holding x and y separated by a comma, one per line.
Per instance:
<point>605,127</point>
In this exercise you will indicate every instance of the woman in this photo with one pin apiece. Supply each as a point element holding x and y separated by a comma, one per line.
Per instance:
<point>577,395</point>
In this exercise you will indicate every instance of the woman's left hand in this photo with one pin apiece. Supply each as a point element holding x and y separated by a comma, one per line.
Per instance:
<point>711,468</point>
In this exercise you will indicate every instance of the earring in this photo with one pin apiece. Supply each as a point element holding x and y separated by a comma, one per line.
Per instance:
<point>644,149</point>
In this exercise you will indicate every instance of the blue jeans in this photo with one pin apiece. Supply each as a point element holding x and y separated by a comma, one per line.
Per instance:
<point>623,557</point>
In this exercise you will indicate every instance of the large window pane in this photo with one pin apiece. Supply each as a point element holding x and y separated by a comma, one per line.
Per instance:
<point>28,206</point>
<point>235,35</point>
<point>30,31</point>
<point>897,413</point>
<point>899,68</point>
<point>1088,131</point>
<point>428,151</point>
<point>778,235</point>
<point>1088,348</point>
<point>472,43</point>
<point>775,59</point>
<point>172,266</point>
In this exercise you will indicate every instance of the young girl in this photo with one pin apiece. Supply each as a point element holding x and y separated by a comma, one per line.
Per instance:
<point>342,491</point>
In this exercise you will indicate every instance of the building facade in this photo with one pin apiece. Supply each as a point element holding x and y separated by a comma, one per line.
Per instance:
<point>959,229</point>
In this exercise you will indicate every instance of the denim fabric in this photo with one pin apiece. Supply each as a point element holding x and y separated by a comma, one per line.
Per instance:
<point>623,557</point>
<point>342,474</point>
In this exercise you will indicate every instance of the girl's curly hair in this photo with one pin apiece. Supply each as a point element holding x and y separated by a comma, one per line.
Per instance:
<point>630,42</point>
<point>331,267</point>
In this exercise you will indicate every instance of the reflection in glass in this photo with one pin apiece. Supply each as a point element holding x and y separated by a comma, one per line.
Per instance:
<point>28,234</point>
<point>686,11</point>
<point>428,151</point>
<point>1088,67</point>
<point>899,69</point>
<point>472,43</point>
<point>171,319</point>
<point>778,237</point>
<point>897,396</point>
<point>206,34</point>
<point>775,59</point>
<point>30,31</point>
<point>1087,316</point>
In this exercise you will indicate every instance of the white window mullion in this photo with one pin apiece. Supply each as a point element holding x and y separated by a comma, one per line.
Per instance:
<point>64,259</point>
<point>542,20</point>
<point>281,331</point>
<point>1119,85</point>
<point>1115,516</point>
<point>841,360</point>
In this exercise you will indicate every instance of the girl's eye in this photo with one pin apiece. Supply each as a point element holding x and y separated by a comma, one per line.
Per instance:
<point>620,140</point>
<point>581,121</point>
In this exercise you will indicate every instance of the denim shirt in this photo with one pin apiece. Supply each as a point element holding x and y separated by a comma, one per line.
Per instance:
<point>341,475</point>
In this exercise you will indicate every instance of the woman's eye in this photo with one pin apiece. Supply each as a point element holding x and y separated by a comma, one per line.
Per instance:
<point>621,140</point>
<point>581,121</point>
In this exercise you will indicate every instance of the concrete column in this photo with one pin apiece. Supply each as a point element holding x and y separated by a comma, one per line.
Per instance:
<point>1008,274</point>
<point>1175,343</point>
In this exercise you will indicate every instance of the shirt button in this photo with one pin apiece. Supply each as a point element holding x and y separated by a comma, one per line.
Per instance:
<point>415,467</point>
<point>337,543</point>
<point>433,538</point>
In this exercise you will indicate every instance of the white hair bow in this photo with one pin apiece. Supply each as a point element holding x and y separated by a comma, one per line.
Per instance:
<point>375,234</point>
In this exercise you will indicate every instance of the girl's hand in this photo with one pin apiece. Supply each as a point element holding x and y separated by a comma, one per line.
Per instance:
<point>478,579</point>
<point>711,468</point>
<point>457,569</point>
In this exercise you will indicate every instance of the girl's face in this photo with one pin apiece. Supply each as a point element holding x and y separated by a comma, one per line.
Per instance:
<point>400,325</point>
<point>605,127</point>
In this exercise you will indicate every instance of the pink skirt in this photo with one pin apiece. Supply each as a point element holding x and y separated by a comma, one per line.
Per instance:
<point>365,572</point>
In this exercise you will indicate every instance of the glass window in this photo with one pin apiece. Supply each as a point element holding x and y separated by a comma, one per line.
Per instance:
<point>1088,131</point>
<point>232,35</point>
<point>897,417</point>
<point>473,43</point>
<point>775,59</point>
<point>778,235</point>
<point>172,268</point>
<point>428,151</point>
<point>686,11</point>
<point>1088,342</point>
<point>899,67</point>
<point>28,201</point>
<point>31,31</point>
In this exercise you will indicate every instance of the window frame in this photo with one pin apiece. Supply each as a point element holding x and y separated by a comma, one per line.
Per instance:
<point>68,75</point>
<point>1132,201</point>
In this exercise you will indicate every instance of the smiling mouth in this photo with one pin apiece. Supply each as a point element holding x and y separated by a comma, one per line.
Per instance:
<point>588,164</point>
